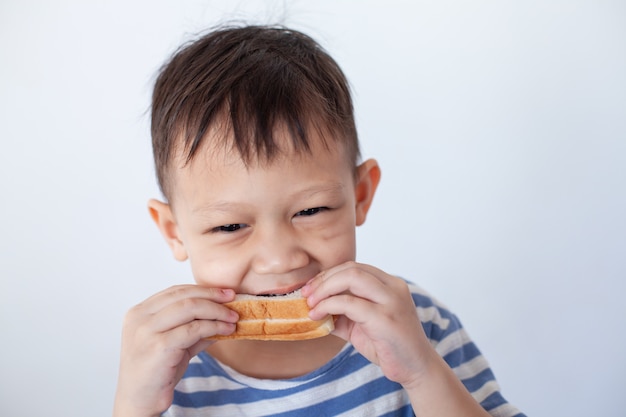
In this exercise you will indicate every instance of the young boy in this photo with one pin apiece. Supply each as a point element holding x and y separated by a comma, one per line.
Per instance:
<point>257,156</point>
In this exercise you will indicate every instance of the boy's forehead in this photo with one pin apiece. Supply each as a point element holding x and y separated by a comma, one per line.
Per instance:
<point>218,153</point>
<point>219,148</point>
<point>214,166</point>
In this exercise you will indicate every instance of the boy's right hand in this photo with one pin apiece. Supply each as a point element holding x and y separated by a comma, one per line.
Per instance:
<point>159,337</point>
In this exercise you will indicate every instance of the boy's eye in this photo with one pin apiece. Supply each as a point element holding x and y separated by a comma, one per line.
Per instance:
<point>229,228</point>
<point>311,211</point>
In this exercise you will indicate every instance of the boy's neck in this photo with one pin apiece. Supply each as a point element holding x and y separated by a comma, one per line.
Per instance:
<point>276,360</point>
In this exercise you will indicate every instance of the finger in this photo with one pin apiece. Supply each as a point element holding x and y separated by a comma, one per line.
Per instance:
<point>190,353</point>
<point>322,276</point>
<point>187,310</point>
<point>188,336</point>
<point>180,292</point>
<point>355,308</point>
<point>354,280</point>
<point>343,327</point>
<point>347,268</point>
<point>201,345</point>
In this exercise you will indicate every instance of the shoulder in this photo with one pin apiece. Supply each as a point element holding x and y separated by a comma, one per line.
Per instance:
<point>444,329</point>
<point>451,341</point>
<point>437,319</point>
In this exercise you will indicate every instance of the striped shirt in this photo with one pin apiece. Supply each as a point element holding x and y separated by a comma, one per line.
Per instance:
<point>348,385</point>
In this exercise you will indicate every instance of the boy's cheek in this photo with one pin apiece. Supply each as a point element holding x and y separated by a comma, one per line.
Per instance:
<point>215,273</point>
<point>337,251</point>
<point>340,244</point>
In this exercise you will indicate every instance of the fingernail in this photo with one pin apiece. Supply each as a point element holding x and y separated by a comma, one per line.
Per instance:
<point>233,316</point>
<point>228,329</point>
<point>313,315</point>
<point>310,301</point>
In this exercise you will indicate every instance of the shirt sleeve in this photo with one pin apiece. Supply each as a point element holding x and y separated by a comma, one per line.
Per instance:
<point>452,342</point>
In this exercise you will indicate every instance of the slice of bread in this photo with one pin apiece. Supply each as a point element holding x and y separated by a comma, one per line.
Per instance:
<point>276,317</point>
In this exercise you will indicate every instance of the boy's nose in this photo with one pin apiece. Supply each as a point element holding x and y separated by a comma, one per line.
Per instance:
<point>279,252</point>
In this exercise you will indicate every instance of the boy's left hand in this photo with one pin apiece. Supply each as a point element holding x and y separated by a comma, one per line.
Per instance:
<point>376,314</point>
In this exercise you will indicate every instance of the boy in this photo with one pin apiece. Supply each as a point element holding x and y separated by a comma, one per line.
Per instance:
<point>257,155</point>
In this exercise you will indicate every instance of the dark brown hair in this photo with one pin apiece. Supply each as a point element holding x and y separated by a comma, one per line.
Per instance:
<point>252,80</point>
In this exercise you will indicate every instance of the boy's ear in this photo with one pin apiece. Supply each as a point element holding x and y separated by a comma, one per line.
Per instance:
<point>368,177</point>
<point>162,215</point>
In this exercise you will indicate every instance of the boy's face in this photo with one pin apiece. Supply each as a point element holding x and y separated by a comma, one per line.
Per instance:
<point>266,228</point>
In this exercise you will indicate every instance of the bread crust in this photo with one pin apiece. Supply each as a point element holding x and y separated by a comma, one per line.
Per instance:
<point>284,317</point>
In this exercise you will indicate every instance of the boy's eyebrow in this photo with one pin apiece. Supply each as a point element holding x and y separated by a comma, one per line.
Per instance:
<point>331,188</point>
<point>306,193</point>
<point>224,206</point>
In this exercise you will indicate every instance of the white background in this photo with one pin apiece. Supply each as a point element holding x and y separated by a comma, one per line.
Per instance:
<point>500,127</point>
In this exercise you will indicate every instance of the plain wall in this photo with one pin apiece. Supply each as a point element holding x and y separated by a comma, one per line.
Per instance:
<point>500,127</point>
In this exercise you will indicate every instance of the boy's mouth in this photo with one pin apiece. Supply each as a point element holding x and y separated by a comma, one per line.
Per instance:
<point>281,291</point>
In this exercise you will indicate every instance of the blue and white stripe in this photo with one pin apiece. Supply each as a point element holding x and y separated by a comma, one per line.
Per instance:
<point>349,385</point>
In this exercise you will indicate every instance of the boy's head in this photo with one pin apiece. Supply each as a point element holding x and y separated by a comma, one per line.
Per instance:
<point>256,151</point>
<point>248,84</point>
